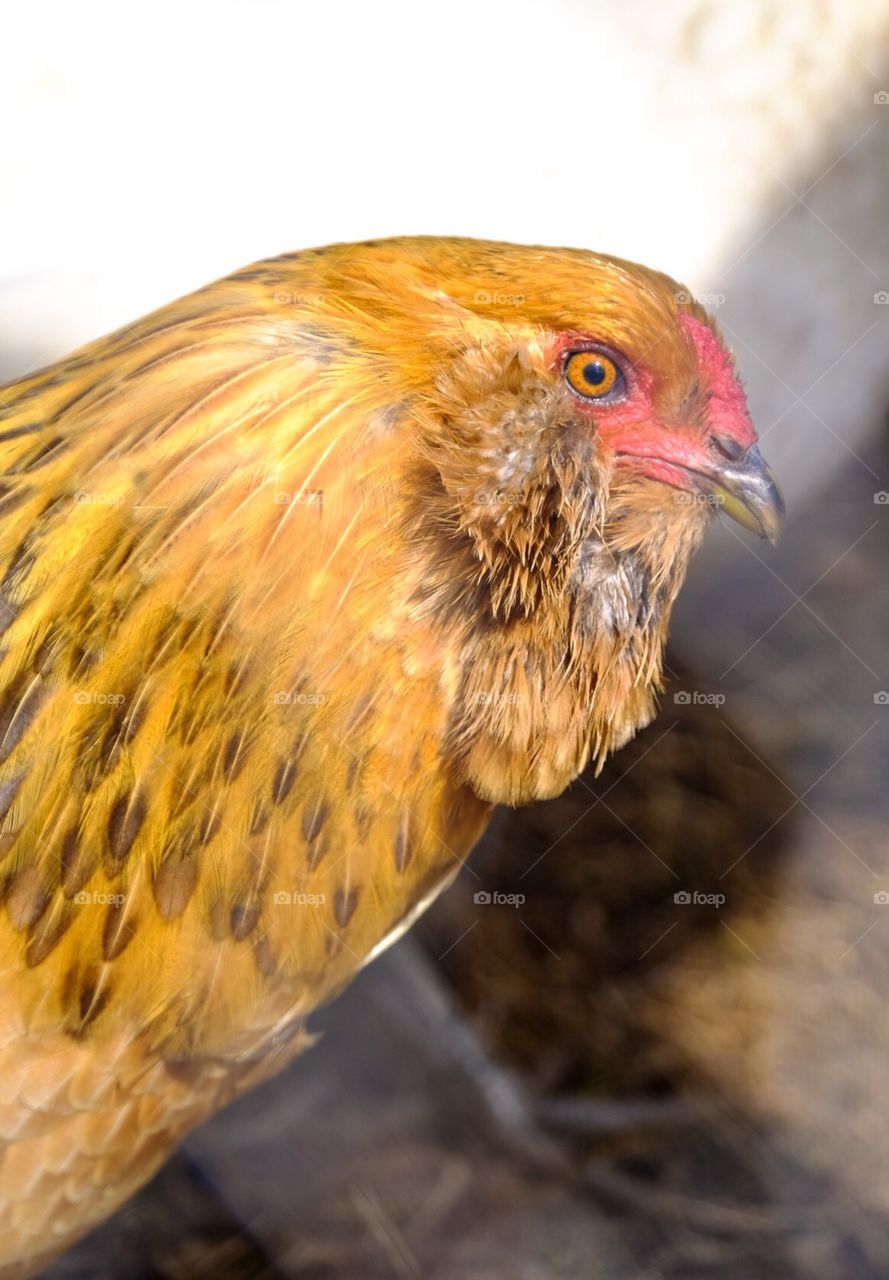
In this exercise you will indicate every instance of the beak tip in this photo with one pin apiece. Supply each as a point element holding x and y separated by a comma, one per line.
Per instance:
<point>772,517</point>
<point>775,514</point>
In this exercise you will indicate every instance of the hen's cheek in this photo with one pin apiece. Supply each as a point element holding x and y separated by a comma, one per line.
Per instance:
<point>656,469</point>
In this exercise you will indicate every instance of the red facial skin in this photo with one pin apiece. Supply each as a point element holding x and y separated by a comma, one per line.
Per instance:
<point>727,411</point>
<point>664,450</point>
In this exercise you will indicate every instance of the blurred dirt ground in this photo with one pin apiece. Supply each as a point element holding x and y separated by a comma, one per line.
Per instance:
<point>753,1033</point>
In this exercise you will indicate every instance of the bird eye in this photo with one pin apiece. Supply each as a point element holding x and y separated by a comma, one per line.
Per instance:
<point>594,376</point>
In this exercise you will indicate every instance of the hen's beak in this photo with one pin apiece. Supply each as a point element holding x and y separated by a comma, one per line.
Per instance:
<point>747,491</point>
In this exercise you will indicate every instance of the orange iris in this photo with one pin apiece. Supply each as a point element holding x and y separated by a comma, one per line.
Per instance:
<point>592,374</point>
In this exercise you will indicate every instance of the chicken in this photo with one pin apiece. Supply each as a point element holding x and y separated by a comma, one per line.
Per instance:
<point>301,575</point>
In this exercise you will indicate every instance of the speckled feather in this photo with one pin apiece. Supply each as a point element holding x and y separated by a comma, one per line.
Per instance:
<point>299,575</point>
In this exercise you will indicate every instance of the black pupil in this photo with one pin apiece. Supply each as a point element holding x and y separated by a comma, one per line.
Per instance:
<point>594,373</point>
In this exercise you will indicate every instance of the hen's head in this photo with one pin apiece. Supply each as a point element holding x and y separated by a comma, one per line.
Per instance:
<point>569,424</point>
<point>561,396</point>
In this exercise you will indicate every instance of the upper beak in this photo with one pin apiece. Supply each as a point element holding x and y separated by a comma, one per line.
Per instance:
<point>747,491</point>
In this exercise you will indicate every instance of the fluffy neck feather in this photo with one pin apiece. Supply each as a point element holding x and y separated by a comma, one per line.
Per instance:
<point>559,653</point>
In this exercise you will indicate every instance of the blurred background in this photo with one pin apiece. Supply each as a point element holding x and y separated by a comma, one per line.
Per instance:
<point>669,1058</point>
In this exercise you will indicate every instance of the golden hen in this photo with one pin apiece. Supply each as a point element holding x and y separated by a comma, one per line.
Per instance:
<point>300,576</point>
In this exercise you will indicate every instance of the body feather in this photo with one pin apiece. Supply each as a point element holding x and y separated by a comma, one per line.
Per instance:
<point>298,576</point>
